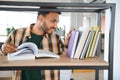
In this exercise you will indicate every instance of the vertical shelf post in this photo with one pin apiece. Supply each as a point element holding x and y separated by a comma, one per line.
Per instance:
<point>111,43</point>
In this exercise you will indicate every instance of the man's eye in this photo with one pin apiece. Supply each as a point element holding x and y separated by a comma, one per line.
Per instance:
<point>53,21</point>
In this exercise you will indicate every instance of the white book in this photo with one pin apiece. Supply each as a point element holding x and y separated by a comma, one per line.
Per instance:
<point>87,42</point>
<point>29,50</point>
<point>81,43</point>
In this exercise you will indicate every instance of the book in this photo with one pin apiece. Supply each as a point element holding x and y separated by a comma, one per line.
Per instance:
<point>87,43</point>
<point>97,29</point>
<point>90,43</point>
<point>96,44</point>
<point>75,35</point>
<point>29,50</point>
<point>81,42</point>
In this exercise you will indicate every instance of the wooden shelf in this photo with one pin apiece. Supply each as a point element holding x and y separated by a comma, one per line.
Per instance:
<point>63,62</point>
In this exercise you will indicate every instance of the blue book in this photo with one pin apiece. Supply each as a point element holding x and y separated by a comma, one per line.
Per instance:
<point>75,34</point>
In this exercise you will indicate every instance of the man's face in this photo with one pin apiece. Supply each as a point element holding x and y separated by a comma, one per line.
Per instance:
<point>50,22</point>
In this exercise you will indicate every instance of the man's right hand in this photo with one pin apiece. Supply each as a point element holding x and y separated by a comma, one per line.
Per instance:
<point>8,48</point>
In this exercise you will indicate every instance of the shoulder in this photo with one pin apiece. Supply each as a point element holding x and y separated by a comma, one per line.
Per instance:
<point>17,32</point>
<point>21,29</point>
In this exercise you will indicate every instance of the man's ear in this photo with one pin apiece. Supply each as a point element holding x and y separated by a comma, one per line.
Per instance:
<point>41,18</point>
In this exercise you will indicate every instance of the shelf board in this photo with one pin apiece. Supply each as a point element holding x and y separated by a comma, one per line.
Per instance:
<point>64,7</point>
<point>49,63</point>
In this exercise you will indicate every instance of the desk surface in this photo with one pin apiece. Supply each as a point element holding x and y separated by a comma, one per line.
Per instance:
<point>51,63</point>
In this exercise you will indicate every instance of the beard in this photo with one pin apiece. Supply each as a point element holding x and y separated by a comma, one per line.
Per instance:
<point>45,29</point>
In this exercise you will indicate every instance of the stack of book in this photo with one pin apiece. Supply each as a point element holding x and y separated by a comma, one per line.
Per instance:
<point>83,43</point>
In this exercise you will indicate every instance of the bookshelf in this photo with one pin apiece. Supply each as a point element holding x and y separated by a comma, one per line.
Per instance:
<point>64,62</point>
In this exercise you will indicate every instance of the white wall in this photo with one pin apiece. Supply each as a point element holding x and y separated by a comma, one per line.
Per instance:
<point>76,20</point>
<point>5,74</point>
<point>116,65</point>
<point>117,43</point>
<point>93,18</point>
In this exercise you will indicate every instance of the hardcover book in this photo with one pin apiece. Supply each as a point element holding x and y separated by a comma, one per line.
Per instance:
<point>97,29</point>
<point>75,36</point>
<point>81,43</point>
<point>87,44</point>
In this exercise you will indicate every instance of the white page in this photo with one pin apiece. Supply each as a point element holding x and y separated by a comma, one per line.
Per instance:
<point>45,53</point>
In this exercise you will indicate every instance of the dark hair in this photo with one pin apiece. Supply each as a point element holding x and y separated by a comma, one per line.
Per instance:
<point>46,12</point>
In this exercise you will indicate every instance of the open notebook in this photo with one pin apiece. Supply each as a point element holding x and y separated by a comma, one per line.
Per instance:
<point>29,50</point>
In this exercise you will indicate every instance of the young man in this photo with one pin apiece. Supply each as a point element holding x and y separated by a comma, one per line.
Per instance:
<point>42,34</point>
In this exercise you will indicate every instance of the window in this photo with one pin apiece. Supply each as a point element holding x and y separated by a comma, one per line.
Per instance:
<point>19,19</point>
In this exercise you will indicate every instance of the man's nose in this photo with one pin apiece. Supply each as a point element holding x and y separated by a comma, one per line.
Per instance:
<point>55,25</point>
